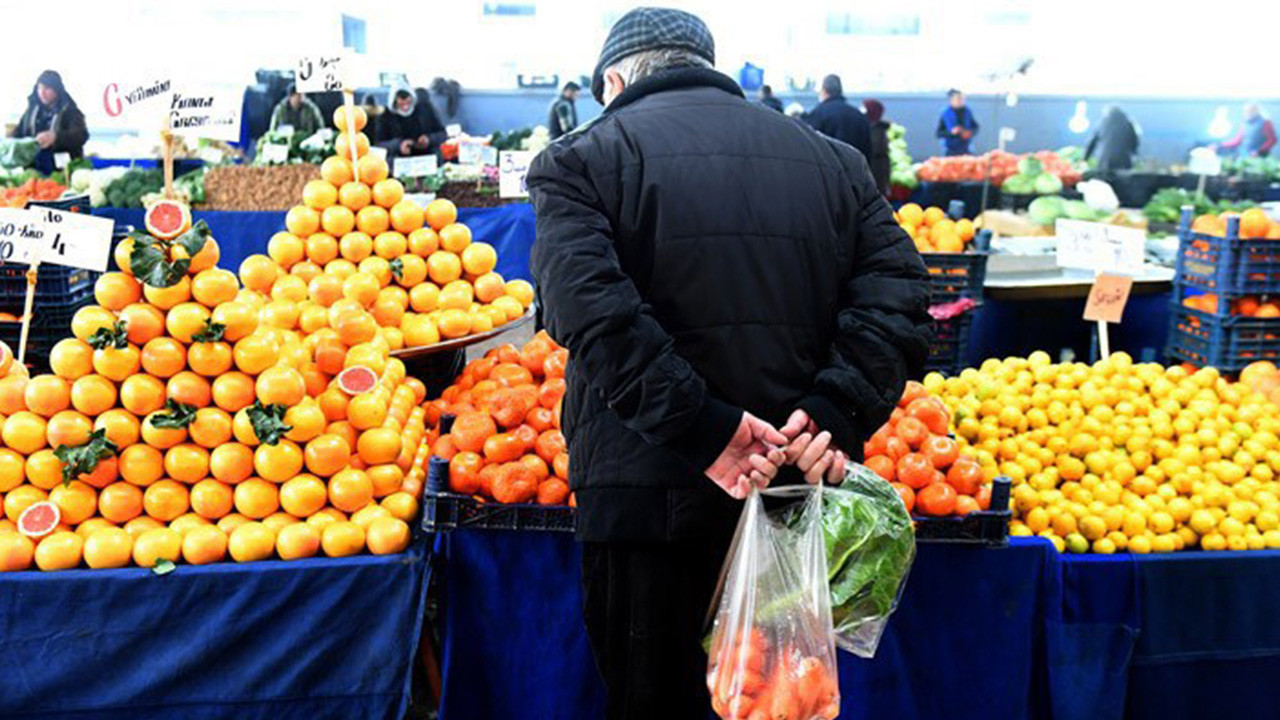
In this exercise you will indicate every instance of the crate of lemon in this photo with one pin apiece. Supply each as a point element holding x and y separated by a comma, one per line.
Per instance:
<point>1118,456</point>
<point>197,416</point>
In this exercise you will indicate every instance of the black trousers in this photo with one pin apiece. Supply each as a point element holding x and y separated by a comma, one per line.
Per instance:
<point>645,606</point>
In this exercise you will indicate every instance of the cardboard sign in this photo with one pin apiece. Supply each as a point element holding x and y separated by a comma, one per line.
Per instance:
<point>1107,298</point>
<point>212,113</point>
<point>415,166</point>
<point>275,154</point>
<point>1100,248</point>
<point>121,99</point>
<point>321,73</point>
<point>513,167</point>
<point>55,236</point>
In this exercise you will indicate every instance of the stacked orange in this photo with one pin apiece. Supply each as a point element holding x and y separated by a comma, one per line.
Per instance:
<point>359,259</point>
<point>933,231</point>
<point>1254,224</point>
<point>195,421</point>
<point>505,443</point>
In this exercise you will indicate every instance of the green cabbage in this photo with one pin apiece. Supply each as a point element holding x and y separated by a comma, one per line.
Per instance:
<point>1046,210</point>
<point>1047,184</point>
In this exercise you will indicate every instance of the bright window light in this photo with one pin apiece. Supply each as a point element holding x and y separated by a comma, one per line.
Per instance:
<point>1079,122</point>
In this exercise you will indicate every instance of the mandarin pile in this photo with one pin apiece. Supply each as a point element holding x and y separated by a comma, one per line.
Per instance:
<point>1119,456</point>
<point>933,231</point>
<point>505,443</point>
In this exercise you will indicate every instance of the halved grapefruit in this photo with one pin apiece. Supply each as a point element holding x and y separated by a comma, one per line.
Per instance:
<point>357,379</point>
<point>39,519</point>
<point>167,219</point>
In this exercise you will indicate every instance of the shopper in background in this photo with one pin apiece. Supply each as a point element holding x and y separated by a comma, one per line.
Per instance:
<point>54,120</point>
<point>768,100</point>
<point>878,158</point>
<point>957,125</point>
<point>409,127</point>
<point>298,112</point>
<point>1115,143</point>
<point>695,332</point>
<point>1257,135</point>
<point>835,117</point>
<point>562,117</point>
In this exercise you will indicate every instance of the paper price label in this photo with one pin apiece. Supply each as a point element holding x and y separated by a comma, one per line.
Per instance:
<point>422,199</point>
<point>1107,298</point>
<point>469,153</point>
<point>416,166</point>
<point>453,130</point>
<point>61,160</point>
<point>212,113</point>
<point>1101,248</point>
<point>378,152</point>
<point>19,230</point>
<point>321,73</point>
<point>54,236</point>
<point>488,155</point>
<point>275,154</point>
<point>513,169</point>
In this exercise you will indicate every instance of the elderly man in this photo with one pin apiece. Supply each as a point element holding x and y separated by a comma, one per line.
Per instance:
<point>717,270</point>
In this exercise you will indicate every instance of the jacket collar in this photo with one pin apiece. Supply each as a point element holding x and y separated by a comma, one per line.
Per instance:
<point>673,80</point>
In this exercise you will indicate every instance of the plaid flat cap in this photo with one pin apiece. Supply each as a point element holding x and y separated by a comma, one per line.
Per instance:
<point>649,28</point>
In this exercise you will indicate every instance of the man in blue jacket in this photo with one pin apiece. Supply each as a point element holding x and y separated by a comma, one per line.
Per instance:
<point>836,118</point>
<point>957,126</point>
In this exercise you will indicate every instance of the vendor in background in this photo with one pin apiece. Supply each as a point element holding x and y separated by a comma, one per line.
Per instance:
<point>409,127</point>
<point>562,117</point>
<point>836,118</point>
<point>878,158</point>
<point>768,100</point>
<point>54,120</point>
<point>1115,143</point>
<point>956,126</point>
<point>1257,135</point>
<point>298,112</point>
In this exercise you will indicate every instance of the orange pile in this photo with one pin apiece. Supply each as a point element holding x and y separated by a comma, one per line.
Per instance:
<point>1254,224</point>
<point>505,443</point>
<point>933,231</point>
<point>915,454</point>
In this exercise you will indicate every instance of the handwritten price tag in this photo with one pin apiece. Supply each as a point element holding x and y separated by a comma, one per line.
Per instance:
<point>513,167</point>
<point>1107,298</point>
<point>321,73</point>
<point>1099,247</point>
<point>415,166</point>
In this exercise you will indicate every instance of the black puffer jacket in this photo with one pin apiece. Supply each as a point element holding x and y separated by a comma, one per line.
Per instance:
<point>699,255</point>
<point>836,118</point>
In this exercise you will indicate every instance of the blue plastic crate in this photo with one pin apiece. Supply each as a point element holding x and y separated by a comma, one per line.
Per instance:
<point>56,285</point>
<point>948,349</point>
<point>1227,265</point>
<point>49,324</point>
<point>1227,342</point>
<point>956,275</point>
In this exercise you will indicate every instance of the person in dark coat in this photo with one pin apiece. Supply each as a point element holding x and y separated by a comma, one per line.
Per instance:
<point>835,117</point>
<point>768,99</point>
<point>409,127</point>
<point>54,120</point>
<point>562,116</point>
<point>698,336</point>
<point>1115,143</point>
<point>956,125</point>
<point>878,158</point>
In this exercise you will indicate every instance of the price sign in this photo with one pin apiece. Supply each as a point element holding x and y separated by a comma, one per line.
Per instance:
<point>1101,248</point>
<point>1107,298</point>
<point>61,160</point>
<point>422,199</point>
<point>284,130</point>
<point>488,155</point>
<point>321,73</point>
<point>55,236</point>
<point>417,166</point>
<point>275,154</point>
<point>212,113</point>
<point>513,167</point>
<point>19,230</point>
<point>378,152</point>
<point>210,155</point>
<point>469,153</point>
<point>120,99</point>
<point>453,130</point>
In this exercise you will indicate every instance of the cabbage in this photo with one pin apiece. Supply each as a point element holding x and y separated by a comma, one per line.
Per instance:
<point>1047,184</point>
<point>1046,210</point>
<point>1019,185</point>
<point>1077,209</point>
<point>1029,165</point>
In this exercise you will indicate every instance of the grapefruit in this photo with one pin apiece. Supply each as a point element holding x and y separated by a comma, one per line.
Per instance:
<point>167,219</point>
<point>39,519</point>
<point>357,379</point>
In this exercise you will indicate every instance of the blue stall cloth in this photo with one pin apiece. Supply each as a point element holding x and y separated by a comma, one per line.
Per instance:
<point>318,638</point>
<point>1019,632</point>
<point>508,228</point>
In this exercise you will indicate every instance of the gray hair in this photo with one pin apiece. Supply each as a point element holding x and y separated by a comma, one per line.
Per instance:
<point>638,66</point>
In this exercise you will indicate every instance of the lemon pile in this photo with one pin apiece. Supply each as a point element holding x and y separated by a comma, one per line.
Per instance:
<point>1120,456</point>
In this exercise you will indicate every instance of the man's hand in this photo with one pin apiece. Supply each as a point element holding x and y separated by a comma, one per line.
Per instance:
<point>751,459</point>
<point>811,451</point>
<point>423,142</point>
<point>46,138</point>
<point>406,147</point>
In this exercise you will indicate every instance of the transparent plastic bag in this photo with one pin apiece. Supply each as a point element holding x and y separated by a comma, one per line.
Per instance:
<point>772,653</point>
<point>871,543</point>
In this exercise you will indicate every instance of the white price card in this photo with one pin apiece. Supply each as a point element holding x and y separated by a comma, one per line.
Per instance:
<point>378,152</point>
<point>321,73</point>
<point>488,155</point>
<point>469,153</point>
<point>284,131</point>
<point>121,98</point>
<point>415,166</point>
<point>208,112</point>
<point>422,199</point>
<point>58,237</point>
<point>1100,248</point>
<point>513,167</point>
<point>453,130</point>
<point>61,160</point>
<point>275,154</point>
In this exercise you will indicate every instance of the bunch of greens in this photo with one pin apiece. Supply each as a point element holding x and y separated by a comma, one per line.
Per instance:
<point>127,190</point>
<point>18,152</point>
<point>1264,168</point>
<point>901,170</point>
<point>1165,206</point>
<point>510,140</point>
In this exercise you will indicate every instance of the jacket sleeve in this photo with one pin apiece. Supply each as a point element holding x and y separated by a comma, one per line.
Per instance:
<point>883,327</point>
<point>594,309</point>
<point>72,131</point>
<point>943,131</point>
<point>1268,137</point>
